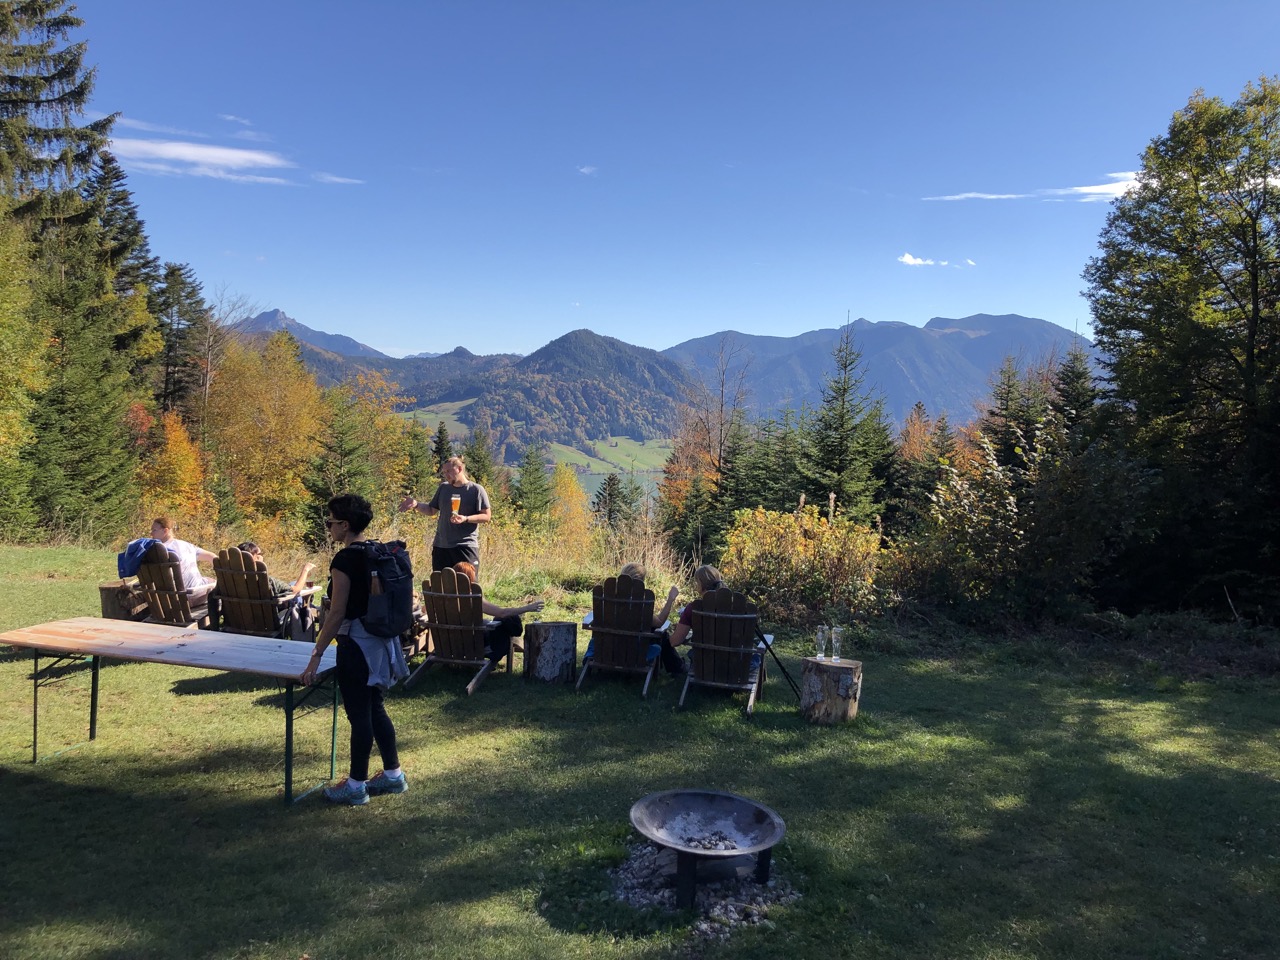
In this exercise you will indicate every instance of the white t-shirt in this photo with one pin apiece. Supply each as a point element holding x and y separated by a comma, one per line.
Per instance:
<point>187,555</point>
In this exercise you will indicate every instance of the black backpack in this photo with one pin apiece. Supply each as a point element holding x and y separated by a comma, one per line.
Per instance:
<point>390,610</point>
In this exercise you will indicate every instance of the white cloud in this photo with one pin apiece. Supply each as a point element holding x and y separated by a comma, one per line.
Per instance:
<point>1120,184</point>
<point>234,119</point>
<point>970,262</point>
<point>146,127</point>
<point>179,158</point>
<point>911,261</point>
<point>256,136</point>
<point>588,171</point>
<point>331,178</point>
<point>981,196</point>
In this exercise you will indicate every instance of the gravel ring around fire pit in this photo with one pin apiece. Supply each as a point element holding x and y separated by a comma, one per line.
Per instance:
<point>644,881</point>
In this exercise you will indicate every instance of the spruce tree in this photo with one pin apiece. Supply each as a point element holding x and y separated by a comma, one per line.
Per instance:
<point>477,452</point>
<point>607,503</point>
<point>441,448</point>
<point>125,247</point>
<point>532,493</point>
<point>44,89</point>
<point>180,306</point>
<point>848,449</point>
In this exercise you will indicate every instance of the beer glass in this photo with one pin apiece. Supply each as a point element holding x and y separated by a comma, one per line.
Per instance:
<point>837,634</point>
<point>456,501</point>
<point>822,642</point>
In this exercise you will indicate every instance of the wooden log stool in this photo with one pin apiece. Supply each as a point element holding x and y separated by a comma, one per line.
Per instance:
<point>550,651</point>
<point>120,601</point>
<point>830,689</point>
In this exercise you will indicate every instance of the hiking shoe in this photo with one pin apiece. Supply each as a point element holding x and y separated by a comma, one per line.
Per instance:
<point>384,784</point>
<point>347,794</point>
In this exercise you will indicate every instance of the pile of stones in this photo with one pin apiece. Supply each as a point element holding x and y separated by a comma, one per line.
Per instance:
<point>727,896</point>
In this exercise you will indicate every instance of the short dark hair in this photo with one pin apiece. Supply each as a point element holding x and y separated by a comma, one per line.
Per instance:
<point>249,547</point>
<point>352,508</point>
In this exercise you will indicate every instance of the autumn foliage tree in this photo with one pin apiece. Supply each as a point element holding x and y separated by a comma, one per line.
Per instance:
<point>266,414</point>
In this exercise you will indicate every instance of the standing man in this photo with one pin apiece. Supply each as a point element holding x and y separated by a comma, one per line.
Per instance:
<point>461,505</point>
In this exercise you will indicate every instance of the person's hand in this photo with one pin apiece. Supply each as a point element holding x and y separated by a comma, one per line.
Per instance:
<point>313,667</point>
<point>408,503</point>
<point>457,518</point>
<point>672,594</point>
<point>308,568</point>
<point>534,607</point>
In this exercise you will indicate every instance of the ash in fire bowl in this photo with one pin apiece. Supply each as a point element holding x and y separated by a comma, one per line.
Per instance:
<point>708,823</point>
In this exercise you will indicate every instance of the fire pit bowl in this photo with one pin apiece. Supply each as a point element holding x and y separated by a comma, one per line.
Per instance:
<point>707,824</point>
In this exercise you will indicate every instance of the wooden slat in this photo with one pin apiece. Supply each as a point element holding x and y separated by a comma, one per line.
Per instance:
<point>622,625</point>
<point>161,643</point>
<point>456,613</point>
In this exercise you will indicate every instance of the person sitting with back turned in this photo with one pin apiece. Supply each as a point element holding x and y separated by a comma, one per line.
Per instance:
<point>188,556</point>
<point>707,578</point>
<point>280,587</point>
<point>506,623</point>
<point>671,661</point>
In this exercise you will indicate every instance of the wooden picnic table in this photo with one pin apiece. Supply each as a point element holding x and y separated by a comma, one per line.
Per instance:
<point>95,638</point>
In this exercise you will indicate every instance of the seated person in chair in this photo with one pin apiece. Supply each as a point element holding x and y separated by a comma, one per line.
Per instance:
<point>188,556</point>
<point>506,623</point>
<point>671,661</point>
<point>279,587</point>
<point>707,578</point>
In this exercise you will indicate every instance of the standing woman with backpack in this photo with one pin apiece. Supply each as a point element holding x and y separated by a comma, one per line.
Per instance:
<point>367,664</point>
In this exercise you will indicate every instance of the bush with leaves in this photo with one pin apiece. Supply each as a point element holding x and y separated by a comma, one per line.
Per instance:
<point>799,563</point>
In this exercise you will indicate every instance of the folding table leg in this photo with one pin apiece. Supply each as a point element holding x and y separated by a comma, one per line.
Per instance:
<point>35,707</point>
<point>288,743</point>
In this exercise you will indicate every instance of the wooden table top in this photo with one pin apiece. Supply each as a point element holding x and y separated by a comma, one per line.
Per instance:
<point>159,643</point>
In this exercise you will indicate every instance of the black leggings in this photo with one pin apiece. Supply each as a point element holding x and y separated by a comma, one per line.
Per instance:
<point>365,712</point>
<point>498,636</point>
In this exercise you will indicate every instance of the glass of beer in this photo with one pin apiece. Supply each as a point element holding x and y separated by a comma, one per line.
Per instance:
<point>456,501</point>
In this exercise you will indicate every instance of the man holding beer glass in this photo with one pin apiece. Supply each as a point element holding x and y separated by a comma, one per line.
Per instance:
<point>461,506</point>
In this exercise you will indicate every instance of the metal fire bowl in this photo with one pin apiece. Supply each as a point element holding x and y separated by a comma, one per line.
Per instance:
<point>667,817</point>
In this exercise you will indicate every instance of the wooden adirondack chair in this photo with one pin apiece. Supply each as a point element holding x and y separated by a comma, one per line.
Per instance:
<point>622,630</point>
<point>455,618</point>
<point>245,602</point>
<point>725,652</point>
<point>160,582</point>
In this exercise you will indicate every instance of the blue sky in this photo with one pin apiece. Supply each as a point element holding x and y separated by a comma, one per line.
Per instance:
<point>491,174</point>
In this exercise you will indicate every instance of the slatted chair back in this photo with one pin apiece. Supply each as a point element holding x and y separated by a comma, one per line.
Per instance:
<point>160,582</point>
<point>622,629</point>
<point>246,602</point>
<point>724,649</point>
<point>455,618</point>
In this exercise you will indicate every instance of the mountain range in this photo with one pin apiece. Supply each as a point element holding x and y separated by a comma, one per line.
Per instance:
<point>584,386</point>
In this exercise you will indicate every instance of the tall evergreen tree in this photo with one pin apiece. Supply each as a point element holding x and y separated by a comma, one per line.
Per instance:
<point>477,452</point>
<point>532,492</point>
<point>180,305</point>
<point>125,247</point>
<point>343,463</point>
<point>441,448</point>
<point>44,89</point>
<point>607,504</point>
<point>848,449</point>
<point>83,459</point>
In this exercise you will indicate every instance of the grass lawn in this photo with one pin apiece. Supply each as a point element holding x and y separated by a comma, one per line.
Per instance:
<point>975,809</point>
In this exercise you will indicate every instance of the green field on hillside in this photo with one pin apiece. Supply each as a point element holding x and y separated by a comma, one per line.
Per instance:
<point>431,416</point>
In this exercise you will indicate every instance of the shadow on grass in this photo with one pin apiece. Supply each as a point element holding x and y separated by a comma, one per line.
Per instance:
<point>962,814</point>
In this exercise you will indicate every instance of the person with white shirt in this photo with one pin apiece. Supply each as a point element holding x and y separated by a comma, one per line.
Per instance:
<point>189,557</point>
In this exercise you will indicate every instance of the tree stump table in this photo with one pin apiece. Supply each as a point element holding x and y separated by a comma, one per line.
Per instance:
<point>830,689</point>
<point>121,602</point>
<point>551,651</point>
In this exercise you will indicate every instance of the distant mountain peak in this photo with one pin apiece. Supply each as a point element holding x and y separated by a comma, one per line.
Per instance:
<point>269,321</point>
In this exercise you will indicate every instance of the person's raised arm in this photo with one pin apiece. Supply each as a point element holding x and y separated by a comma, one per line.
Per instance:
<point>661,616</point>
<point>411,503</point>
<point>301,580</point>
<point>341,591</point>
<point>205,555</point>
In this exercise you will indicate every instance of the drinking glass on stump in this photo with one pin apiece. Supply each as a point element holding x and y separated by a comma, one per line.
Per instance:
<point>837,634</point>
<point>822,642</point>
